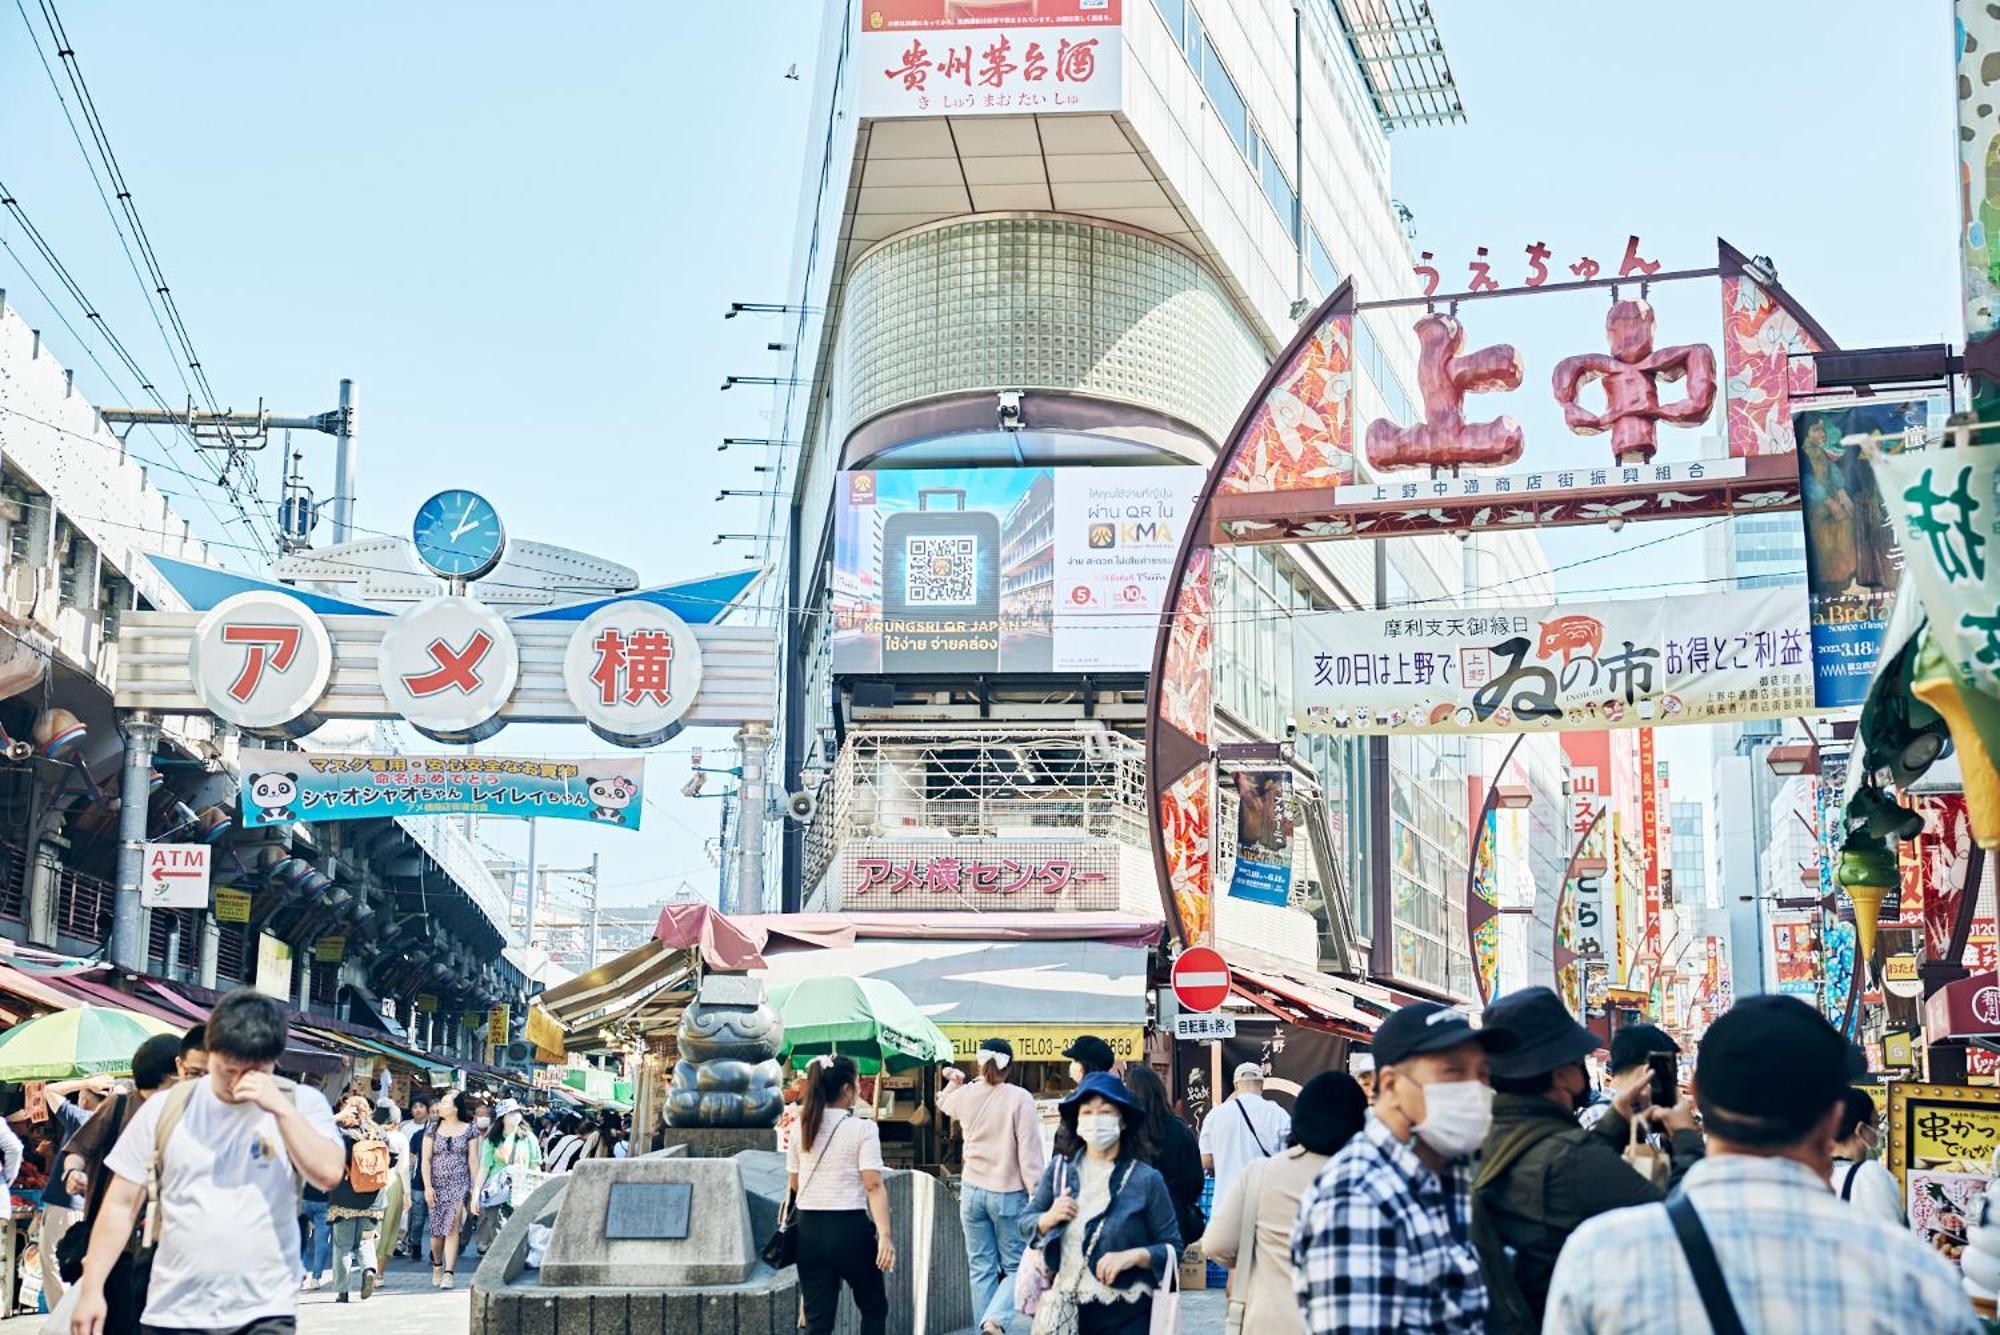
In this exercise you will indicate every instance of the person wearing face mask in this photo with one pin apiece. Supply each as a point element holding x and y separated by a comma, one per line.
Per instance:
<point>1542,1174</point>
<point>1087,1054</point>
<point>1381,1239</point>
<point>1858,1177</point>
<point>1102,1223</point>
<point>509,1148</point>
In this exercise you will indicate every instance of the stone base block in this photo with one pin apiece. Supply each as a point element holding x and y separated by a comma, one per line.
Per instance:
<point>765,1304</point>
<point>719,1142</point>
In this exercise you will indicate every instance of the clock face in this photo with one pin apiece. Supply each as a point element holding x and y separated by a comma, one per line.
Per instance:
<point>458,534</point>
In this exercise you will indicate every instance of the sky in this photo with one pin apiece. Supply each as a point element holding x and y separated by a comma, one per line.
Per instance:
<point>517,226</point>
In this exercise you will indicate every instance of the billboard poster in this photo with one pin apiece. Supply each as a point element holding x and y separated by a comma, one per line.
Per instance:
<point>1004,569</point>
<point>1853,563</point>
<point>1794,944</point>
<point>280,787</point>
<point>1946,507</point>
<point>1710,658</point>
<point>989,57</point>
<point>1263,837</point>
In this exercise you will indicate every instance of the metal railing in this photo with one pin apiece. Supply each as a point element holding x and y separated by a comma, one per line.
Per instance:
<point>990,781</point>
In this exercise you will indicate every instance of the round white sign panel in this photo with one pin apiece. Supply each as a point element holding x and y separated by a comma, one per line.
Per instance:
<point>261,661</point>
<point>632,669</point>
<point>449,665</point>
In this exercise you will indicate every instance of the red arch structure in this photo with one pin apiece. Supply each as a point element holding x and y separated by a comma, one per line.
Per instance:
<point>1287,474</point>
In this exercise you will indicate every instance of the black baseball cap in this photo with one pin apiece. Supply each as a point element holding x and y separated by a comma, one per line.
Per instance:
<point>1772,1057</point>
<point>1093,1052</point>
<point>1431,1026</point>
<point>1546,1037</point>
<point>1634,1043</point>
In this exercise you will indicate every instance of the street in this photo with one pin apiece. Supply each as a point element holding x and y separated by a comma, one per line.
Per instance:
<point>407,1305</point>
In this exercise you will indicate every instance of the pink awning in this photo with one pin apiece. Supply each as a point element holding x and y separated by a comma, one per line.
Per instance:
<point>34,989</point>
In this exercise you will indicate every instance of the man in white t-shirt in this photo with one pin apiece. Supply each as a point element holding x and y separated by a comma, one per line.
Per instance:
<point>1245,1128</point>
<point>228,1256</point>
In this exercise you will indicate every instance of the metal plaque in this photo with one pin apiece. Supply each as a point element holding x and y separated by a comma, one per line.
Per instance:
<point>653,1210</point>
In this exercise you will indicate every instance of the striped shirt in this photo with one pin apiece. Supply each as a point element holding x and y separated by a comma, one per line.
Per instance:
<point>1794,1256</point>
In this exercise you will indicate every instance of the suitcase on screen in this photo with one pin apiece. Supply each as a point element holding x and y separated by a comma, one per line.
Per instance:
<point>941,588</point>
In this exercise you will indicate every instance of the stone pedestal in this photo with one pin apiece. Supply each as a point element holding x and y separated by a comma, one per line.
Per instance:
<point>718,1142</point>
<point>716,1250</point>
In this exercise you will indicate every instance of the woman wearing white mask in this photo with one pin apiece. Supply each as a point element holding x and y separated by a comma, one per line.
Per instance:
<point>1101,1223</point>
<point>1383,1236</point>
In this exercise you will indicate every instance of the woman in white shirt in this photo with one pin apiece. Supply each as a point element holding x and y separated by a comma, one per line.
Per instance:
<point>839,1202</point>
<point>1858,1177</point>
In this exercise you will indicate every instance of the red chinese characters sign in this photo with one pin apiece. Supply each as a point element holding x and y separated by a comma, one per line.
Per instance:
<point>946,58</point>
<point>1023,875</point>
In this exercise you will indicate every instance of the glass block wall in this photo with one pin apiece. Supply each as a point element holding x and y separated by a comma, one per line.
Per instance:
<point>1041,303</point>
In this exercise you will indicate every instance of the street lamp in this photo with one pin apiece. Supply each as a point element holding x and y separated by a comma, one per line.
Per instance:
<point>1793,759</point>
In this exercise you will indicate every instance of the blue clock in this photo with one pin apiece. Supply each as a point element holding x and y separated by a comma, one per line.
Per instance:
<point>458,534</point>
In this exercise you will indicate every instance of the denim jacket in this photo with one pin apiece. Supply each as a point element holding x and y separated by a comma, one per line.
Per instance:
<point>1141,1215</point>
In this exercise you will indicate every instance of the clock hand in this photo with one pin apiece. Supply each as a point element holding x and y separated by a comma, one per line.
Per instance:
<point>465,521</point>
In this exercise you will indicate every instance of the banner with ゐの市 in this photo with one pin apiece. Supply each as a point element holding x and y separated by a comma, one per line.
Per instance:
<point>1639,663</point>
<point>280,787</point>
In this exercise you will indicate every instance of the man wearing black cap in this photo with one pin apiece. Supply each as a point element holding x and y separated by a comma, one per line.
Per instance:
<point>1541,1174</point>
<point>1089,1053</point>
<point>1631,1046</point>
<point>1381,1243</point>
<point>1755,1240</point>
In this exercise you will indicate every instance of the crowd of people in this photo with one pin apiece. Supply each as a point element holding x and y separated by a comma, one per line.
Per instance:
<point>1474,1178</point>
<point>207,1192</point>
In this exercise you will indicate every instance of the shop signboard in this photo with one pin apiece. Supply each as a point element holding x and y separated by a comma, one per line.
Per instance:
<point>1795,950</point>
<point>1941,1127</point>
<point>949,58</point>
<point>175,876</point>
<point>1047,1042</point>
<point>1004,569</point>
<point>1853,564</point>
<point>496,1024</point>
<point>330,949</point>
<point>1712,658</point>
<point>231,905</point>
<point>1202,1027</point>
<point>1946,507</point>
<point>1263,837</point>
<point>280,787</point>
<point>274,967</point>
<point>982,875</point>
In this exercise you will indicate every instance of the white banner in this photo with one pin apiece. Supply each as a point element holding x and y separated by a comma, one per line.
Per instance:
<point>936,58</point>
<point>1641,663</point>
<point>1117,532</point>
<point>1946,507</point>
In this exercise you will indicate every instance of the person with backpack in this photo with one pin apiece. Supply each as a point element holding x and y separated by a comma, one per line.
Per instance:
<point>1541,1174</point>
<point>222,1159</point>
<point>354,1205</point>
<point>509,1149</point>
<point>1245,1129</point>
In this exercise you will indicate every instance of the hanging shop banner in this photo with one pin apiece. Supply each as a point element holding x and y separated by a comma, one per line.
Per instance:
<point>280,787</point>
<point>1721,657</point>
<point>1795,952</point>
<point>948,58</point>
<point>1263,837</point>
<point>1004,569</point>
<point>1942,857</point>
<point>1852,561</point>
<point>1947,513</point>
<point>274,967</point>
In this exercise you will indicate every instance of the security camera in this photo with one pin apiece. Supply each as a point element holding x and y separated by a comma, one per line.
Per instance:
<point>1010,410</point>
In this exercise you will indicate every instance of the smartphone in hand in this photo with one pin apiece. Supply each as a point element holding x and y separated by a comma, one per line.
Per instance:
<point>1666,1083</point>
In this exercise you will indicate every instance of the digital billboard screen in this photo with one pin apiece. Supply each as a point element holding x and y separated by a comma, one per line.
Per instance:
<point>1004,569</point>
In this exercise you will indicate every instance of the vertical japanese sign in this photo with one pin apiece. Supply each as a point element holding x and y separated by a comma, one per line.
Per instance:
<point>1649,835</point>
<point>950,58</point>
<point>1852,562</point>
<point>1263,837</point>
<point>1946,506</point>
<point>1979,165</point>
<point>1589,757</point>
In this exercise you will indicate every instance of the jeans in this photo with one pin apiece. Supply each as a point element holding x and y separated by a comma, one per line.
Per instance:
<point>836,1247</point>
<point>56,1220</point>
<point>417,1231</point>
<point>315,1239</point>
<point>347,1245</point>
<point>993,1245</point>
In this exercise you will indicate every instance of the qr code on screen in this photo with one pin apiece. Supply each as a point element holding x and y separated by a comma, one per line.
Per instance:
<point>941,572</point>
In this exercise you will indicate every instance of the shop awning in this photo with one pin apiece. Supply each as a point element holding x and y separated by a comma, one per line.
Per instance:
<point>1968,1008</point>
<point>301,1053</point>
<point>1037,994</point>
<point>30,988</point>
<point>617,985</point>
<point>1324,1001</point>
<point>368,1047</point>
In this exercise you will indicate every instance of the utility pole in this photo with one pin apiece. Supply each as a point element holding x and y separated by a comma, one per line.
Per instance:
<point>590,936</point>
<point>128,944</point>
<point>753,741</point>
<point>203,423</point>
<point>534,890</point>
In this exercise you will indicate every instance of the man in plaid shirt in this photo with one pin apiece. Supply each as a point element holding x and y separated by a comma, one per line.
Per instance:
<point>1383,1238</point>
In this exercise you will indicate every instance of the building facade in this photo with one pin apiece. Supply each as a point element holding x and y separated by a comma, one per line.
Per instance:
<point>1042,263</point>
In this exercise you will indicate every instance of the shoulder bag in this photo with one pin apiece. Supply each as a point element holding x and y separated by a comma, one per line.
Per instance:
<point>1647,1161</point>
<point>1031,1276</point>
<point>1708,1280</point>
<point>1245,1114</point>
<point>783,1248</point>
<point>1246,1250</point>
<point>1058,1312</point>
<point>75,1241</point>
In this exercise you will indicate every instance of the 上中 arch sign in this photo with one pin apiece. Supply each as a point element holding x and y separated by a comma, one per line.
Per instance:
<point>450,666</point>
<point>1288,473</point>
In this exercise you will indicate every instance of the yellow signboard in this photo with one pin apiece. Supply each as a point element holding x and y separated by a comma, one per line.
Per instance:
<point>1045,1042</point>
<point>330,949</point>
<point>547,1036</point>
<point>426,1003</point>
<point>231,905</point>
<point>1898,1054</point>
<point>1938,1126</point>
<point>496,1025</point>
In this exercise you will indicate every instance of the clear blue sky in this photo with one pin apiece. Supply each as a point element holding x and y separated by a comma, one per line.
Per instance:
<point>516,226</point>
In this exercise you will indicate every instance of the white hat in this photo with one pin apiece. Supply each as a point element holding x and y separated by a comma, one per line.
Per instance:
<point>1361,1063</point>
<point>1249,1073</point>
<point>505,1106</point>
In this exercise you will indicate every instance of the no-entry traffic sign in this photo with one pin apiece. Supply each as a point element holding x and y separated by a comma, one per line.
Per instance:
<point>1201,979</point>
<point>175,876</point>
